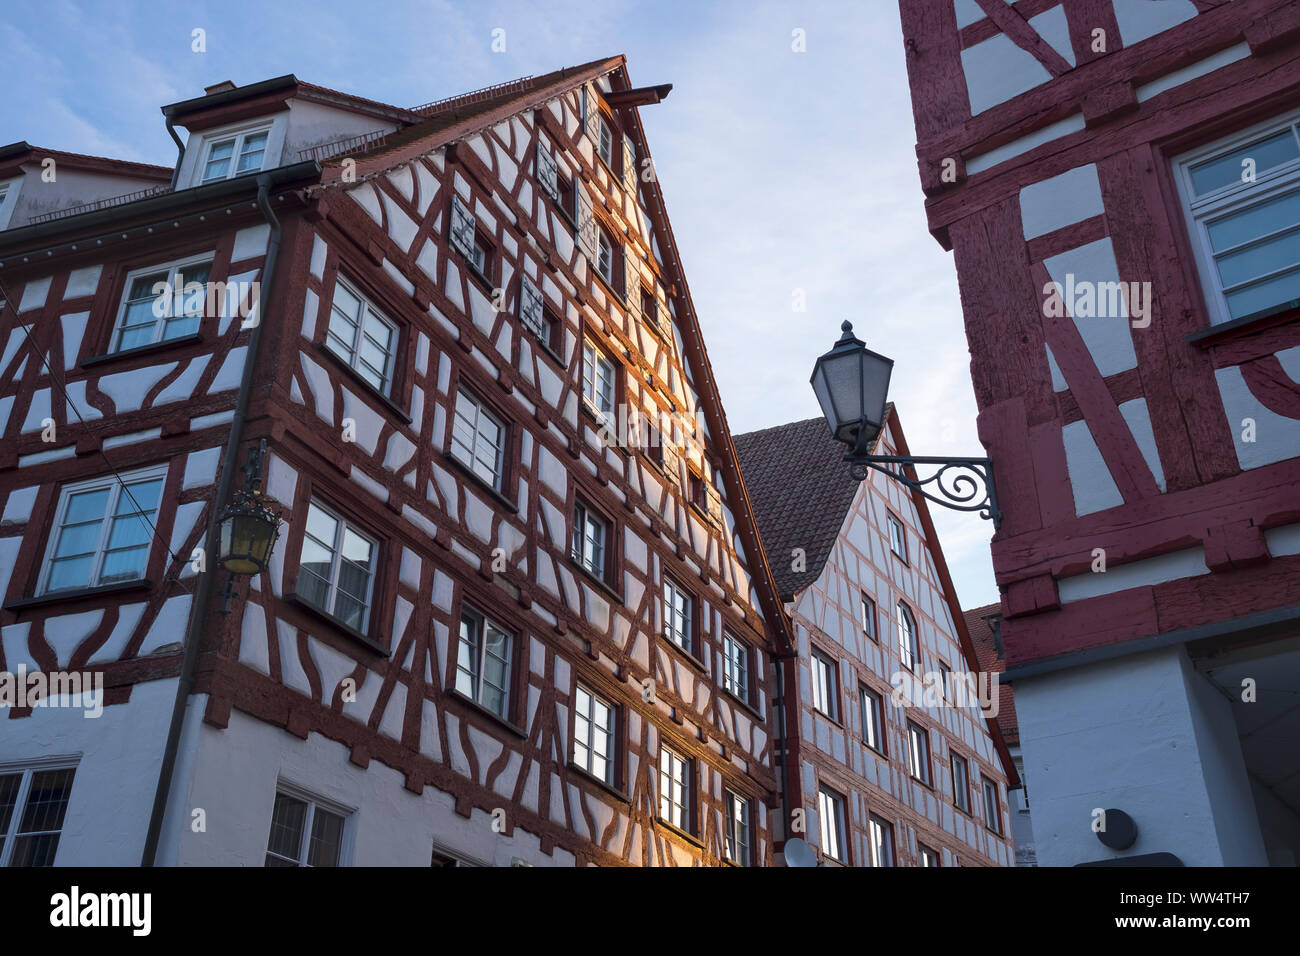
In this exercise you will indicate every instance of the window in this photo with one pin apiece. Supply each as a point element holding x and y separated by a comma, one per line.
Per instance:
<point>483,662</point>
<point>445,858</point>
<point>897,537</point>
<point>548,173</point>
<point>909,650</point>
<point>605,143</point>
<point>696,490</point>
<point>929,857</point>
<point>568,200</point>
<point>605,256</point>
<point>918,752</point>
<point>362,336</point>
<point>873,720</point>
<point>235,155</point>
<point>945,680</point>
<point>882,842</point>
<point>468,239</point>
<point>535,316</point>
<point>593,735</point>
<point>103,530</point>
<point>960,783</point>
<point>992,806</point>
<point>824,684</point>
<point>597,379</point>
<point>869,617</point>
<point>337,568</point>
<point>478,439</point>
<point>830,807</point>
<point>590,531</point>
<point>674,789</point>
<point>156,305</point>
<point>679,615</point>
<point>1246,229</point>
<point>293,818</point>
<point>735,666</point>
<point>649,306</point>
<point>737,847</point>
<point>33,802</point>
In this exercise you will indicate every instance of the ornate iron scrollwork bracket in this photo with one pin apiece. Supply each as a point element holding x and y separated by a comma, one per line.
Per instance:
<point>962,484</point>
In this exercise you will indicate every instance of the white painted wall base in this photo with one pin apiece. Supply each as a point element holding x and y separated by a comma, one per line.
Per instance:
<point>232,775</point>
<point>120,753</point>
<point>1147,735</point>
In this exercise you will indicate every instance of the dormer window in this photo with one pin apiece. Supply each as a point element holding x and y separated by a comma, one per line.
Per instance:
<point>235,155</point>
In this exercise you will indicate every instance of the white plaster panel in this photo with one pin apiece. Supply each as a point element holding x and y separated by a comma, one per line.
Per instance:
<point>1108,338</point>
<point>1276,437</point>
<point>1058,201</point>
<point>1139,19</point>
<point>1094,489</point>
<point>997,70</point>
<point>1138,417</point>
<point>82,282</point>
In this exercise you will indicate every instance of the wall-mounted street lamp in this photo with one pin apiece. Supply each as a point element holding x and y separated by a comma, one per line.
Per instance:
<point>852,384</point>
<point>247,528</point>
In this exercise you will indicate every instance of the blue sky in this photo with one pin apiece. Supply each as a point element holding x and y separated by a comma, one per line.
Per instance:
<point>786,173</point>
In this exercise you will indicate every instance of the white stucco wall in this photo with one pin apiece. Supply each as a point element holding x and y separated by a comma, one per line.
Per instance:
<point>1145,734</point>
<point>232,775</point>
<point>118,757</point>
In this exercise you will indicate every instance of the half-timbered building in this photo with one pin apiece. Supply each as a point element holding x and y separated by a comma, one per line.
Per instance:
<point>517,612</point>
<point>1119,183</point>
<point>893,758</point>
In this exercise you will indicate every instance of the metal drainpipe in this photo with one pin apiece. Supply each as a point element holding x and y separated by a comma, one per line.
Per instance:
<point>785,745</point>
<point>203,592</point>
<point>180,152</point>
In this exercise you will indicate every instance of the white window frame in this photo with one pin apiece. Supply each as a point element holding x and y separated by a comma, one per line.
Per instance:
<point>961,786</point>
<point>880,840</point>
<point>830,809</point>
<point>314,802</point>
<point>918,758</point>
<point>605,141</point>
<point>737,839</point>
<point>352,358</point>
<point>597,369</point>
<point>116,484</point>
<point>470,456</point>
<point>869,617</point>
<point>26,770</point>
<point>585,518</point>
<point>240,136</point>
<point>825,675</point>
<point>173,268</point>
<point>586,712</point>
<point>335,547</point>
<point>1199,212</point>
<point>909,642</point>
<point>605,255</point>
<point>873,719</point>
<point>897,535</point>
<point>675,781</point>
<point>735,665</point>
<point>992,808</point>
<point>479,658</point>
<point>675,594</point>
